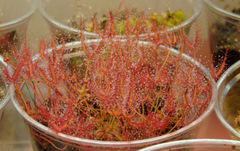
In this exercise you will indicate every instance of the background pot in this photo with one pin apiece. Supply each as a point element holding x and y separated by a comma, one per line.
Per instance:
<point>224,29</point>
<point>14,17</point>
<point>196,145</point>
<point>59,18</point>
<point>228,105</point>
<point>4,93</point>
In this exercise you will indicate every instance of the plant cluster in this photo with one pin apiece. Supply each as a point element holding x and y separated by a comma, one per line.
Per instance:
<point>113,89</point>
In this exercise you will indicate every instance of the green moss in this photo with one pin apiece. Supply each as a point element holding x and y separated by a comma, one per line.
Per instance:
<point>120,27</point>
<point>169,19</point>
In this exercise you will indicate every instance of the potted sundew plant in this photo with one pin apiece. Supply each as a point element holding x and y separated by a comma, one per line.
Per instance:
<point>112,93</point>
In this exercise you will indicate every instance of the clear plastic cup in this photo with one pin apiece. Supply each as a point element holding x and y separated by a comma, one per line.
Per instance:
<point>65,19</point>
<point>14,17</point>
<point>196,145</point>
<point>228,106</point>
<point>4,93</point>
<point>43,137</point>
<point>224,30</point>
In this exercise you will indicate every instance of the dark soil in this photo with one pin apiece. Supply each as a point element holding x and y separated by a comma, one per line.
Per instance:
<point>225,37</point>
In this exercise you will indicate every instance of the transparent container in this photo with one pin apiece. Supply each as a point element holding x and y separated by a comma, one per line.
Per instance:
<point>196,145</point>
<point>224,30</point>
<point>45,138</point>
<point>14,17</point>
<point>228,106</point>
<point>66,19</point>
<point>4,93</point>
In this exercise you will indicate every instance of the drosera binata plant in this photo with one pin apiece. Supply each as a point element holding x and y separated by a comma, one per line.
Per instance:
<point>112,89</point>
